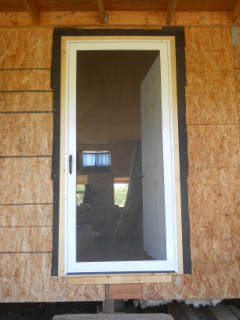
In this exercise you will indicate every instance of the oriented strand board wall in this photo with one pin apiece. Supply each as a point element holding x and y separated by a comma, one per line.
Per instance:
<point>26,209</point>
<point>213,100</point>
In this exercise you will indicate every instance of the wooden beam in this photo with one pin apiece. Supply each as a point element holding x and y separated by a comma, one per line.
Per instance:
<point>102,13</point>
<point>120,279</point>
<point>170,10</point>
<point>236,13</point>
<point>126,291</point>
<point>32,10</point>
<point>119,19</point>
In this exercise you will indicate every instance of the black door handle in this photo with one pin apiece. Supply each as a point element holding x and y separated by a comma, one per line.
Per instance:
<point>70,164</point>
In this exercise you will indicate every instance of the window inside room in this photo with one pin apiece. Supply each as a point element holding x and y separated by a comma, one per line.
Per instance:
<point>80,188</point>
<point>120,185</point>
<point>96,161</point>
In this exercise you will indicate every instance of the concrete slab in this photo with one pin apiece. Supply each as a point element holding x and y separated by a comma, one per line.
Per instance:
<point>122,316</point>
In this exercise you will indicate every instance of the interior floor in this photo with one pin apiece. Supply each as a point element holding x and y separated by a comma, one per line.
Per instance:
<point>93,246</point>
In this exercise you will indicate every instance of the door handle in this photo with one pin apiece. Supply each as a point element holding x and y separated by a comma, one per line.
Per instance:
<point>70,164</point>
<point>140,174</point>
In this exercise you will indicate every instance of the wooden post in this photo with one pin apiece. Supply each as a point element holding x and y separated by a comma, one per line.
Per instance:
<point>108,304</point>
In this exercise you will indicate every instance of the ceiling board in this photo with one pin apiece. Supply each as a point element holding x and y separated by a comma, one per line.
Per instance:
<point>122,5</point>
<point>12,5</point>
<point>67,5</point>
<point>210,5</point>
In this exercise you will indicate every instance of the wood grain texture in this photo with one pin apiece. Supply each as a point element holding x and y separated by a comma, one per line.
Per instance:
<point>26,134</point>
<point>128,19</point>
<point>236,50</point>
<point>213,182</point>
<point>238,102</point>
<point>211,108</point>
<point>26,101</point>
<point>141,5</point>
<point>31,48</point>
<point>118,19</point>
<point>213,178</point>
<point>26,277</point>
<point>26,180</point>
<point>237,73</point>
<point>190,287</point>
<point>213,146</point>
<point>236,13</point>
<point>126,291</point>
<point>120,278</point>
<point>26,239</point>
<point>209,61</point>
<point>26,215</point>
<point>32,10</point>
<point>15,80</point>
<point>170,11</point>
<point>208,38</point>
<point>208,82</point>
<point>213,190</point>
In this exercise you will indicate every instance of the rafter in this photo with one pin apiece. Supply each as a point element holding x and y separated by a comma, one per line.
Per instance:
<point>101,9</point>
<point>170,10</point>
<point>32,10</point>
<point>236,13</point>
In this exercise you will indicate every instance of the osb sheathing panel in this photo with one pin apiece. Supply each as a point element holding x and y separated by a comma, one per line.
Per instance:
<point>238,100</point>
<point>237,72</point>
<point>26,277</point>
<point>212,103</point>
<point>213,146</point>
<point>215,250</point>
<point>25,48</point>
<point>236,49</point>
<point>237,56</point>
<point>211,108</point>
<point>214,207</point>
<point>26,215</point>
<point>26,180</point>
<point>208,82</point>
<point>13,80</point>
<point>26,239</point>
<point>199,285</point>
<point>213,183</point>
<point>26,201</point>
<point>209,61</point>
<point>26,134</point>
<point>25,101</point>
<point>213,191</point>
<point>208,38</point>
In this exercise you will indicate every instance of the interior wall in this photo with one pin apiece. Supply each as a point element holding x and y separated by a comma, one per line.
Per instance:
<point>108,95</point>
<point>26,204</point>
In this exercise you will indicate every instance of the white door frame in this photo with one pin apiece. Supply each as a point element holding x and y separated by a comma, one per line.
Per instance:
<point>166,47</point>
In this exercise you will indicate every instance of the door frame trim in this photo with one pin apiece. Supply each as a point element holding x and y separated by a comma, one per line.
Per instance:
<point>63,164</point>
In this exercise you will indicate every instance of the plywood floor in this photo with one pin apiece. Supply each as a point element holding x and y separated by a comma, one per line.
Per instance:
<point>93,246</point>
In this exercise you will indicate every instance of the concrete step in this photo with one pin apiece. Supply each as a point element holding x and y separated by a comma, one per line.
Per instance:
<point>122,316</point>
